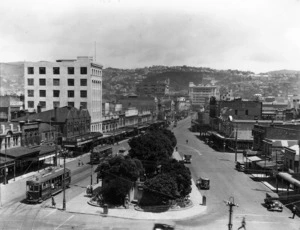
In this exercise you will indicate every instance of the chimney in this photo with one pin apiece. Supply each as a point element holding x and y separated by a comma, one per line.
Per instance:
<point>55,113</point>
<point>39,108</point>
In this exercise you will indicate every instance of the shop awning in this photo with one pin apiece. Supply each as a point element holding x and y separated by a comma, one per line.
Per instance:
<point>20,152</point>
<point>253,159</point>
<point>266,164</point>
<point>288,177</point>
<point>46,157</point>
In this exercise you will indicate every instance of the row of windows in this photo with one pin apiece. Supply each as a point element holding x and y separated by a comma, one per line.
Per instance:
<point>56,70</point>
<point>31,105</point>
<point>56,82</point>
<point>56,93</point>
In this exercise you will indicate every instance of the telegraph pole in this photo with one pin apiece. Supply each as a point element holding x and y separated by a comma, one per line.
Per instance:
<point>64,182</point>
<point>236,133</point>
<point>231,204</point>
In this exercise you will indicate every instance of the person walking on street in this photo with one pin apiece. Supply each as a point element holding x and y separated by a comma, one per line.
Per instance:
<point>294,210</point>
<point>79,163</point>
<point>243,224</point>
<point>53,201</point>
<point>187,141</point>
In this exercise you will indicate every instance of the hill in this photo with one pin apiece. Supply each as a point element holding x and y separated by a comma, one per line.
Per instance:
<point>12,78</point>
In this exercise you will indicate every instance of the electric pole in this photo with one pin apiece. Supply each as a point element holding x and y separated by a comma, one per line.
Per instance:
<point>231,204</point>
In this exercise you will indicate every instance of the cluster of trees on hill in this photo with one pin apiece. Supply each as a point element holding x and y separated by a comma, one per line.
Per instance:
<point>149,158</point>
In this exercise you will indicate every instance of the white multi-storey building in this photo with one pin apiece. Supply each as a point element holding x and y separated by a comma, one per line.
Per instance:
<point>200,93</point>
<point>76,83</point>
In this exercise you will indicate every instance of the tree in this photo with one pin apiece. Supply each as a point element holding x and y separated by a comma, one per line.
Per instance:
<point>152,146</point>
<point>159,189</point>
<point>118,175</point>
<point>181,175</point>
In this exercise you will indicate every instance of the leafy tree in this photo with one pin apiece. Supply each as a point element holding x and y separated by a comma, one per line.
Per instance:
<point>159,190</point>
<point>118,174</point>
<point>181,175</point>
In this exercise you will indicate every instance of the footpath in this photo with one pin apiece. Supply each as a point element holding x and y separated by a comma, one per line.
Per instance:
<point>80,205</point>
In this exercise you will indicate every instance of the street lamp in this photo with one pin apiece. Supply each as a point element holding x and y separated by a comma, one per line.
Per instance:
<point>236,133</point>
<point>231,204</point>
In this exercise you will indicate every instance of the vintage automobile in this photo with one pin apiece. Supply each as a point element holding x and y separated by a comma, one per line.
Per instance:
<point>240,166</point>
<point>158,226</point>
<point>187,159</point>
<point>275,206</point>
<point>203,183</point>
<point>272,203</point>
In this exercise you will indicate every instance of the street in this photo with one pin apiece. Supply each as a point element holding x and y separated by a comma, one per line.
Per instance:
<point>225,182</point>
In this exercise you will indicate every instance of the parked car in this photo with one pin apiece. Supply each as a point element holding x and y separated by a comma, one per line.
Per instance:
<point>275,206</point>
<point>203,183</point>
<point>159,226</point>
<point>240,166</point>
<point>187,158</point>
<point>272,203</point>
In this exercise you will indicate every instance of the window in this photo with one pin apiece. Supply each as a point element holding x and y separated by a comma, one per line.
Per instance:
<point>70,93</point>
<point>70,82</point>
<point>42,70</point>
<point>56,82</point>
<point>42,104</point>
<point>71,103</point>
<point>246,112</point>
<point>30,70</point>
<point>56,104</point>
<point>235,112</point>
<point>56,70</point>
<point>42,93</point>
<point>30,81</point>
<point>30,104</point>
<point>83,70</point>
<point>83,105</point>
<point>71,70</point>
<point>30,93</point>
<point>83,82</point>
<point>42,81</point>
<point>83,93</point>
<point>55,93</point>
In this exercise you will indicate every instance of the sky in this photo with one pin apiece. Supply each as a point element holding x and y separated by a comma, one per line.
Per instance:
<point>254,35</point>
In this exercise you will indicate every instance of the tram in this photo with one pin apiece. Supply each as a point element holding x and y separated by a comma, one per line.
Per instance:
<point>45,184</point>
<point>100,152</point>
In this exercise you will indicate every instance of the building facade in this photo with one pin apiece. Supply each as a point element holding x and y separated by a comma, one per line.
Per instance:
<point>200,94</point>
<point>76,83</point>
<point>159,88</point>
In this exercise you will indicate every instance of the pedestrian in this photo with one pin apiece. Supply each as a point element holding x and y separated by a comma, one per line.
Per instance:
<point>79,163</point>
<point>53,201</point>
<point>187,141</point>
<point>294,210</point>
<point>243,224</point>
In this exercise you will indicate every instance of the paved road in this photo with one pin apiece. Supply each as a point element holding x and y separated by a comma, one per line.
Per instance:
<point>218,166</point>
<point>226,182</point>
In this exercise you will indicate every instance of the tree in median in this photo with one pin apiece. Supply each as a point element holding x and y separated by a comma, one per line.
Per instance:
<point>159,190</point>
<point>151,148</point>
<point>118,175</point>
<point>180,173</point>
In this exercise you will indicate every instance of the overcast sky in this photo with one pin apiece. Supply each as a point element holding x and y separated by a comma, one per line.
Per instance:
<point>255,35</point>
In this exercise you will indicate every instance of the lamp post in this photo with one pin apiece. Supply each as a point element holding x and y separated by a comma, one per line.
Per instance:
<point>113,128</point>
<point>231,204</point>
<point>236,133</point>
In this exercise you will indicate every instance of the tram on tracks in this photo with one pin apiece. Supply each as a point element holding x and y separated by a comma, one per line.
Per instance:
<point>46,184</point>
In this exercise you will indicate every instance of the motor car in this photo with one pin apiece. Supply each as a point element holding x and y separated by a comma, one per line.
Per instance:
<point>187,158</point>
<point>159,226</point>
<point>275,206</point>
<point>272,203</point>
<point>240,166</point>
<point>203,183</point>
